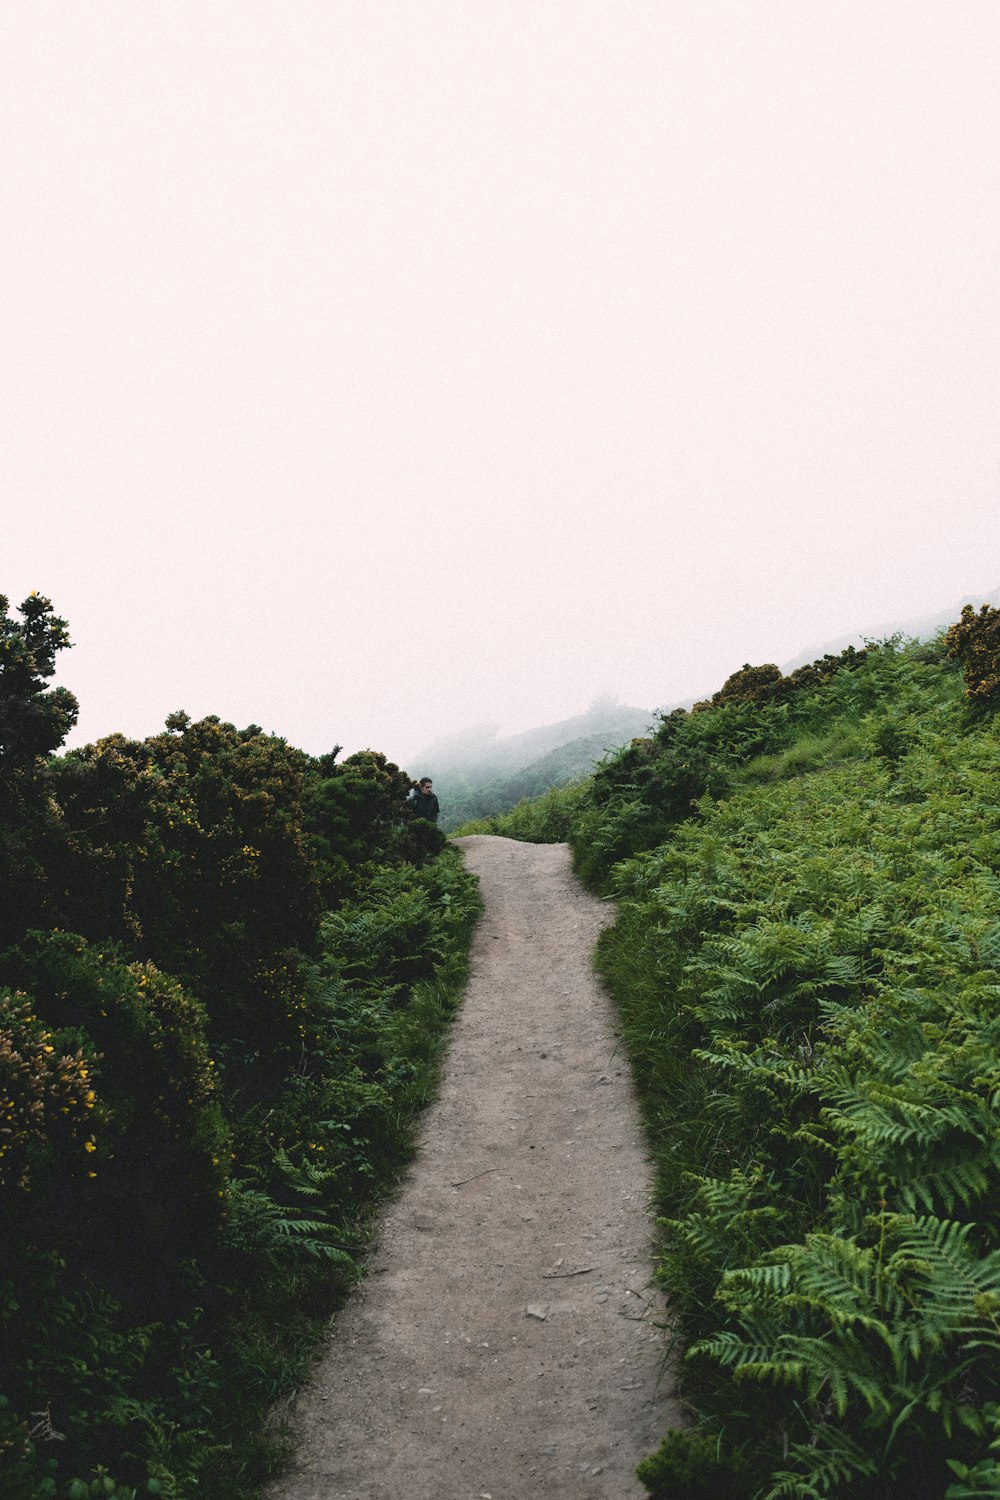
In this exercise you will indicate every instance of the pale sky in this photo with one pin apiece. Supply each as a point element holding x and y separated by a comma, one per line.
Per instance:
<point>371,369</point>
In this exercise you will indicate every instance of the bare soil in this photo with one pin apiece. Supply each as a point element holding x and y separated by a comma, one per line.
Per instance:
<point>506,1344</point>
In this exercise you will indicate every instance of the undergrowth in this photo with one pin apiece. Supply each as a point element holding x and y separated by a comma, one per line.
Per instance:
<point>179,1402</point>
<point>807,963</point>
<point>226,973</point>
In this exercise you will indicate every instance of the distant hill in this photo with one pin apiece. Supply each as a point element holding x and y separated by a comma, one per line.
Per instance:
<point>917,627</point>
<point>479,772</point>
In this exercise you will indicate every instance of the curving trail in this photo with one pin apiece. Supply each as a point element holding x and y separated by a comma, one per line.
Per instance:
<point>506,1343</point>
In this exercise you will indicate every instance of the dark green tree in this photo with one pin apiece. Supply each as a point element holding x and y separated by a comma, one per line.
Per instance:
<point>34,721</point>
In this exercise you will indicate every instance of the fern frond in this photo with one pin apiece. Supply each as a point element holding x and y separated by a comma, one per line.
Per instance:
<point>843,1367</point>
<point>832,1458</point>
<point>259,1226</point>
<point>955,1283</point>
<point>754,1360</point>
<point>305,1235</point>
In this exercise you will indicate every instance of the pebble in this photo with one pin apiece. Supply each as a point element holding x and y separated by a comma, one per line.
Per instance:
<point>537,1310</point>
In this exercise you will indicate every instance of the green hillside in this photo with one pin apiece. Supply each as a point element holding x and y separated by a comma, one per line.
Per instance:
<point>806,961</point>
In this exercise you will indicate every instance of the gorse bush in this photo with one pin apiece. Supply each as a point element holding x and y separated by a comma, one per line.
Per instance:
<point>975,641</point>
<point>157,1144</point>
<point>191,848</point>
<point>46,1098</point>
<point>226,969</point>
<point>353,814</point>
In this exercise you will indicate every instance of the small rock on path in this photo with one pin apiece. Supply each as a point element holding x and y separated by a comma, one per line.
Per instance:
<point>506,1340</point>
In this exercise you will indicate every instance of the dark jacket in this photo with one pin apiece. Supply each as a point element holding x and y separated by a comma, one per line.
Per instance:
<point>425,805</point>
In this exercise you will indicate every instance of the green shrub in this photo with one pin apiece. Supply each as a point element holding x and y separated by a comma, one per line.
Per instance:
<point>355,811</point>
<point>34,719</point>
<point>189,849</point>
<point>748,685</point>
<point>691,1465</point>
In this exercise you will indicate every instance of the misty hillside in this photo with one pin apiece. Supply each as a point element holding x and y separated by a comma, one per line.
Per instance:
<point>915,627</point>
<point>478,772</point>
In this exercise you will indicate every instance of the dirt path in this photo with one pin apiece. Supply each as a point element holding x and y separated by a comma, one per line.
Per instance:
<point>506,1345</point>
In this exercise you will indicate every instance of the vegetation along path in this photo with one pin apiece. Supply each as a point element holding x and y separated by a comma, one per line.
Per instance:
<point>506,1343</point>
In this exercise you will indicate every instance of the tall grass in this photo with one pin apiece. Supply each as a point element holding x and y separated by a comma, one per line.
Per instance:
<point>547,819</point>
<point>810,752</point>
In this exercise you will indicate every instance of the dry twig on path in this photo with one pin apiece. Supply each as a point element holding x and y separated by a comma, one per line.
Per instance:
<point>463,1180</point>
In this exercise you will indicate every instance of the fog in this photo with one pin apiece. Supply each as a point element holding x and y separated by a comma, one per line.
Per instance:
<point>375,370</point>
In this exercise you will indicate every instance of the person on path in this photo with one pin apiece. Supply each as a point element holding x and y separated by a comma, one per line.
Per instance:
<point>424,802</point>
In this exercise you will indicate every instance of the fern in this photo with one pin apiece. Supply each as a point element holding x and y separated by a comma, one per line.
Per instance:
<point>980,1481</point>
<point>888,1344</point>
<point>305,1177</point>
<point>260,1227</point>
<point>831,1459</point>
<point>961,1288</point>
<point>809,972</point>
